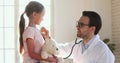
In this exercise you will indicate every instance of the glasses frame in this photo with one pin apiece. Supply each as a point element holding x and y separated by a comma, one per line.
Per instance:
<point>79,24</point>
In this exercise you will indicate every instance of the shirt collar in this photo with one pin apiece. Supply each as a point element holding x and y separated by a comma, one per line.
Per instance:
<point>89,43</point>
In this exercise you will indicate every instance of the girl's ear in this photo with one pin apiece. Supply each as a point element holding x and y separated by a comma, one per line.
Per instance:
<point>34,14</point>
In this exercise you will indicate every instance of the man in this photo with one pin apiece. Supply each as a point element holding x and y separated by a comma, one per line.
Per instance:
<point>91,49</point>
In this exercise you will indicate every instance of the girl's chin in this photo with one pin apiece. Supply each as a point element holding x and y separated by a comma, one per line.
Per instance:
<point>38,23</point>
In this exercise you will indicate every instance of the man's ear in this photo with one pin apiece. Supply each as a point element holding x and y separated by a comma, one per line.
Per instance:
<point>93,28</point>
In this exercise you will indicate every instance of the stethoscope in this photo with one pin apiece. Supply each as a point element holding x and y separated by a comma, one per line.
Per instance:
<point>73,48</point>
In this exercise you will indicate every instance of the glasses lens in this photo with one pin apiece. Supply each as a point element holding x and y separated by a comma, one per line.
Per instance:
<point>79,24</point>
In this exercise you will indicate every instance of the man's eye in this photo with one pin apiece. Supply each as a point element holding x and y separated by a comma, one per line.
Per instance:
<point>81,24</point>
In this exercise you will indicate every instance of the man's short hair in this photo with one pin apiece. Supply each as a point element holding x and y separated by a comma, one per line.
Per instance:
<point>95,20</point>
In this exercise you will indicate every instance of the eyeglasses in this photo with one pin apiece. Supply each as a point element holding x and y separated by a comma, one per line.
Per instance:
<point>79,24</point>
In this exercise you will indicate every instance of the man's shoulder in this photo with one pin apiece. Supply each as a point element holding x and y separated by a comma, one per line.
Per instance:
<point>101,46</point>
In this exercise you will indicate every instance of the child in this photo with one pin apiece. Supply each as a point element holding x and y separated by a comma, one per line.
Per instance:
<point>31,39</point>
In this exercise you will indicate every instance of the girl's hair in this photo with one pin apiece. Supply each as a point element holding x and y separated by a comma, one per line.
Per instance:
<point>32,6</point>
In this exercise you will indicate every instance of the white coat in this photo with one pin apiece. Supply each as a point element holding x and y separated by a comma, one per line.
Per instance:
<point>97,52</point>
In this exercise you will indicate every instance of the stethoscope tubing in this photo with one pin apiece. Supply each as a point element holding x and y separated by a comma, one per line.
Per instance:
<point>73,48</point>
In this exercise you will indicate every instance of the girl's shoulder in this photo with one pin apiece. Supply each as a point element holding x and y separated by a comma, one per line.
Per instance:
<point>30,30</point>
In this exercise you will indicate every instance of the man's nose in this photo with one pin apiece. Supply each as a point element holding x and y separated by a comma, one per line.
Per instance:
<point>77,27</point>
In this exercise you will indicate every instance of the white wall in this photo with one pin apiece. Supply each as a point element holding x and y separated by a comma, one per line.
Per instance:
<point>67,12</point>
<point>103,7</point>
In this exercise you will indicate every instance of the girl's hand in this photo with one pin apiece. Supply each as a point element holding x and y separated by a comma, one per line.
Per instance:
<point>44,32</point>
<point>52,59</point>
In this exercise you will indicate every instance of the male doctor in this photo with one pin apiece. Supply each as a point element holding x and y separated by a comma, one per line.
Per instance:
<point>92,49</point>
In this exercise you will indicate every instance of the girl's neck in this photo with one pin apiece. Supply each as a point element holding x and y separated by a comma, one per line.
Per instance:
<point>31,23</point>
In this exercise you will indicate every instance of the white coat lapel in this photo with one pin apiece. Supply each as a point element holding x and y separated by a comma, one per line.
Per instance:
<point>94,42</point>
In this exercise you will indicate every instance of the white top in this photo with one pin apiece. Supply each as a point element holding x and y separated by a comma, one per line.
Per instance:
<point>97,52</point>
<point>33,33</point>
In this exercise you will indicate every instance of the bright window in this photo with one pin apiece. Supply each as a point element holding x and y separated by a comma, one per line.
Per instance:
<point>7,31</point>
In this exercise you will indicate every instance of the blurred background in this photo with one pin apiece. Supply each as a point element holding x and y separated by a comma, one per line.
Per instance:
<point>60,19</point>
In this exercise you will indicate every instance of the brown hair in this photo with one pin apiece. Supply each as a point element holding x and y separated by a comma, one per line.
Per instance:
<point>95,20</point>
<point>32,6</point>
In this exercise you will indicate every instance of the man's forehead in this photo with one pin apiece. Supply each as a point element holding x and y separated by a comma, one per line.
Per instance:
<point>84,19</point>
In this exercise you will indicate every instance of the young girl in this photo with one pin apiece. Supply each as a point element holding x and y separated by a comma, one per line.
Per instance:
<point>31,39</point>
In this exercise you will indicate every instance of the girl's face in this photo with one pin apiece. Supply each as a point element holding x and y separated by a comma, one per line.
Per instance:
<point>38,17</point>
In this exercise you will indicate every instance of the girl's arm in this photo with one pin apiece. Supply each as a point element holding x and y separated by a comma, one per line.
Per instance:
<point>34,55</point>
